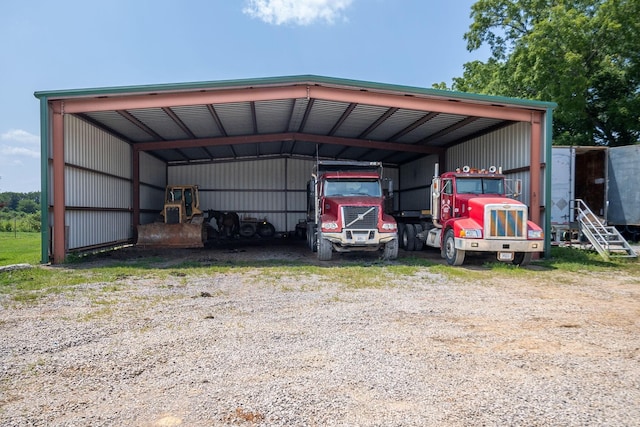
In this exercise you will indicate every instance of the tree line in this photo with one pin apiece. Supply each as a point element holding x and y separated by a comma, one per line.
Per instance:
<point>20,212</point>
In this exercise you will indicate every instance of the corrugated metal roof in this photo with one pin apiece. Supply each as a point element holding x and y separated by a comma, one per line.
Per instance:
<point>255,118</point>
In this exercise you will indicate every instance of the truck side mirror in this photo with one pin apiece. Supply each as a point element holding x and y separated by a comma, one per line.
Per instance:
<point>518,188</point>
<point>435,187</point>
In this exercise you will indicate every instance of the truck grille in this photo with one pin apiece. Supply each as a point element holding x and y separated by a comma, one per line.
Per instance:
<point>360,217</point>
<point>506,223</point>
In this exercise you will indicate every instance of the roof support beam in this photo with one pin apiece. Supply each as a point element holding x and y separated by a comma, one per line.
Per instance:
<point>305,117</point>
<point>254,118</point>
<point>216,118</point>
<point>450,129</point>
<point>342,118</point>
<point>366,97</point>
<point>277,137</point>
<point>381,119</point>
<point>413,126</point>
<point>534,174</point>
<point>138,123</point>
<point>176,99</point>
<point>169,112</point>
<point>59,203</point>
<point>447,106</point>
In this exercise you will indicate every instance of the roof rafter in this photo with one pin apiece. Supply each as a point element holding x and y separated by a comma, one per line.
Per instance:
<point>288,136</point>
<point>414,125</point>
<point>448,130</point>
<point>342,118</point>
<point>169,112</point>
<point>139,124</point>
<point>378,122</point>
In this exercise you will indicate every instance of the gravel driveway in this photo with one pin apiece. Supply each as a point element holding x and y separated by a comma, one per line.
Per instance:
<point>269,347</point>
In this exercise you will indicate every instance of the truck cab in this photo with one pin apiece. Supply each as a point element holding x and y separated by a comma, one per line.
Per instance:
<point>472,212</point>
<point>346,210</point>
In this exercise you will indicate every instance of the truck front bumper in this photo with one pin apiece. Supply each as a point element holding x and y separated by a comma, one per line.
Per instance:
<point>361,240</point>
<point>481,245</point>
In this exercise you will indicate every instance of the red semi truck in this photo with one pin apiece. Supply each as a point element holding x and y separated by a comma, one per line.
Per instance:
<point>345,210</point>
<point>471,212</point>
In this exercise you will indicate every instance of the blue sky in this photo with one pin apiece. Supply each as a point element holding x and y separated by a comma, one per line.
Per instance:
<point>74,44</point>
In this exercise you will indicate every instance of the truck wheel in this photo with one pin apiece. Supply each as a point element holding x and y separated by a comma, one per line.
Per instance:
<point>419,243</point>
<point>400,233</point>
<point>409,238</point>
<point>311,236</point>
<point>390,250</point>
<point>266,230</point>
<point>522,258</point>
<point>454,256</point>
<point>324,249</point>
<point>247,229</point>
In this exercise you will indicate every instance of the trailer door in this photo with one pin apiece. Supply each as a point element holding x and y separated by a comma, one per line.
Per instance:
<point>624,185</point>
<point>562,188</point>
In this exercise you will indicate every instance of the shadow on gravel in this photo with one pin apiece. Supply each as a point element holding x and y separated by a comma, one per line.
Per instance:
<point>277,252</point>
<point>242,253</point>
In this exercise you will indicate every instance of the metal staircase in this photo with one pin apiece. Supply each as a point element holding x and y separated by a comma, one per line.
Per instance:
<point>606,240</point>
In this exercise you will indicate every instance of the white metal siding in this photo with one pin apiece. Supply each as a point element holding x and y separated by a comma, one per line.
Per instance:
<point>95,228</point>
<point>87,189</point>
<point>508,147</point>
<point>98,185</point>
<point>274,189</point>
<point>89,147</point>
<point>152,170</point>
<point>153,180</point>
<point>415,183</point>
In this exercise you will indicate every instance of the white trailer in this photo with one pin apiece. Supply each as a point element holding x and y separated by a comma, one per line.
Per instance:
<point>606,179</point>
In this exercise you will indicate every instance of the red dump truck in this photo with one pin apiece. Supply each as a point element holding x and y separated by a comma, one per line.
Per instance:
<point>471,212</point>
<point>345,210</point>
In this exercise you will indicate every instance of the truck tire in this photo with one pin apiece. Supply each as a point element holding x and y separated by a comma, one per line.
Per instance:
<point>324,249</point>
<point>400,233</point>
<point>247,229</point>
<point>266,229</point>
<point>454,256</point>
<point>311,237</point>
<point>390,250</point>
<point>409,238</point>
<point>522,258</point>
<point>419,243</point>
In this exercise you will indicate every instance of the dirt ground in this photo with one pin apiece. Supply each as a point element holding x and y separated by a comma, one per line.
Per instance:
<point>248,250</point>
<point>251,347</point>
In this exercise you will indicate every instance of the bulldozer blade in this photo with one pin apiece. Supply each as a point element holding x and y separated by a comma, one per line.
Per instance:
<point>161,235</point>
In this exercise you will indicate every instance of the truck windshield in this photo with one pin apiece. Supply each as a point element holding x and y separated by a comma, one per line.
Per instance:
<point>355,187</point>
<point>480,186</point>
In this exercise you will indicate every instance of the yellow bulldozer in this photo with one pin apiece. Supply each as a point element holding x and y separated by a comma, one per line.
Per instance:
<point>180,224</point>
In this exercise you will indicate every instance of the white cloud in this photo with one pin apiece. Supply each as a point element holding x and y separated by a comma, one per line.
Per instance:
<point>19,151</point>
<point>298,12</point>
<point>21,136</point>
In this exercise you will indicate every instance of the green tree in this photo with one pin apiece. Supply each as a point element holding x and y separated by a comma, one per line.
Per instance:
<point>11,200</point>
<point>28,206</point>
<point>582,54</point>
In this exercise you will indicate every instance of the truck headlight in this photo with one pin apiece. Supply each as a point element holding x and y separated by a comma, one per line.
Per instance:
<point>472,233</point>
<point>535,234</point>
<point>389,226</point>
<point>330,225</point>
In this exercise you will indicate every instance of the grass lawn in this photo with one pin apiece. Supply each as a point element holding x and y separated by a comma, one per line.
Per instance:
<point>19,248</point>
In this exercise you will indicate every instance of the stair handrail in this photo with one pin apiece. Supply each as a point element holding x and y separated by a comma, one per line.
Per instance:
<point>586,217</point>
<point>597,231</point>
